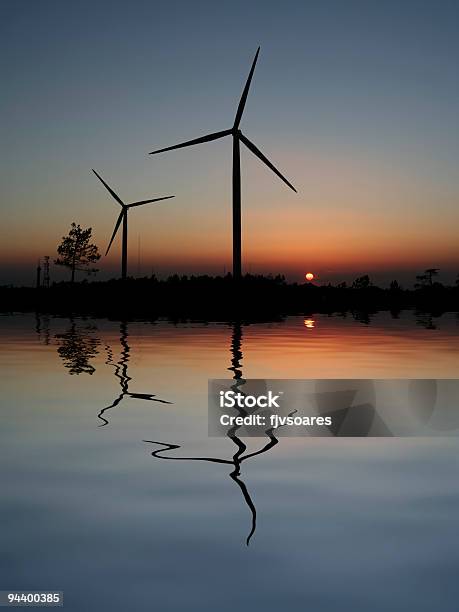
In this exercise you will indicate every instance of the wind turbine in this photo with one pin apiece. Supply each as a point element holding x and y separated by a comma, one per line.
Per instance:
<point>238,137</point>
<point>123,217</point>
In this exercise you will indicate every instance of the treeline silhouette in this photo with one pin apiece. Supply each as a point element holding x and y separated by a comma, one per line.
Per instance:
<point>206,297</point>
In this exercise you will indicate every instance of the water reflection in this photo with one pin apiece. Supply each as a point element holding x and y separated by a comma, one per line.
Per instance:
<point>378,508</point>
<point>77,346</point>
<point>362,316</point>
<point>239,457</point>
<point>426,320</point>
<point>434,403</point>
<point>42,328</point>
<point>121,373</point>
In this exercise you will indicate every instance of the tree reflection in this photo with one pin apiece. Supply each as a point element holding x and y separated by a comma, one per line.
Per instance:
<point>77,346</point>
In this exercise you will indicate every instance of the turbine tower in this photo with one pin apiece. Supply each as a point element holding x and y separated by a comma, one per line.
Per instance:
<point>238,137</point>
<point>123,217</point>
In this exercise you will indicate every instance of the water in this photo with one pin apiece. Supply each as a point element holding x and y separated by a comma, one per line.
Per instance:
<point>341,524</point>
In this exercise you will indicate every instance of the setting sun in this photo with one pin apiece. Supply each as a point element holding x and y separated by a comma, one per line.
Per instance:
<point>309,276</point>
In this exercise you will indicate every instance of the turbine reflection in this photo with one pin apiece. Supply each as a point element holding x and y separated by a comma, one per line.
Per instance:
<point>121,373</point>
<point>239,457</point>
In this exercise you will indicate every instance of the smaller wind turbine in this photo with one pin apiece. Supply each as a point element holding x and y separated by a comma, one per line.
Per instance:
<point>123,217</point>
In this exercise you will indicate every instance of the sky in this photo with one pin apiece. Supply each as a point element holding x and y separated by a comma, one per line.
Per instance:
<point>357,103</point>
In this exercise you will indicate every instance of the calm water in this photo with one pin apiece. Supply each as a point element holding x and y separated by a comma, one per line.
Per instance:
<point>341,524</point>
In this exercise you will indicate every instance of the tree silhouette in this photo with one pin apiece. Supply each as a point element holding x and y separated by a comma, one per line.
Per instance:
<point>431,272</point>
<point>363,282</point>
<point>76,253</point>
<point>427,277</point>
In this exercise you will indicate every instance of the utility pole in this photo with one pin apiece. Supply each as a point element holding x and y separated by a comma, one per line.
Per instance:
<point>38,279</point>
<point>46,272</point>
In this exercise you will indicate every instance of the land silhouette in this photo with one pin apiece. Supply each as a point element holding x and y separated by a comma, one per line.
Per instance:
<point>214,298</point>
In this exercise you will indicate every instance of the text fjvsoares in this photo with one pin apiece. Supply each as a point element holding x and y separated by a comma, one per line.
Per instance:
<point>231,399</point>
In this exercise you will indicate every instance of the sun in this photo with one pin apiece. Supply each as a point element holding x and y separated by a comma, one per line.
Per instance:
<point>309,276</point>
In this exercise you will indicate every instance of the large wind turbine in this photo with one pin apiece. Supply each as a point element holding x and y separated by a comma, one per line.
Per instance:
<point>238,137</point>
<point>123,217</point>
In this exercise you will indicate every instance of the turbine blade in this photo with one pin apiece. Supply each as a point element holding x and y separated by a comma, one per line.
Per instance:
<point>264,159</point>
<point>245,93</point>
<point>118,222</point>
<point>109,189</point>
<point>188,143</point>
<point>148,201</point>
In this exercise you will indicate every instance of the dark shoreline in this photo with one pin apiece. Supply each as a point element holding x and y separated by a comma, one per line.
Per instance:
<point>219,298</point>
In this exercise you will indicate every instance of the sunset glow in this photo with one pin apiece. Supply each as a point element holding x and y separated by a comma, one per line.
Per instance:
<point>378,197</point>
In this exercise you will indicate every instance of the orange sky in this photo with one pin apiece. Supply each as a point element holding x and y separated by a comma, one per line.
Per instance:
<point>349,217</point>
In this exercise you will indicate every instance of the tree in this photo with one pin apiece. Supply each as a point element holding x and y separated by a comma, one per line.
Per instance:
<point>395,286</point>
<point>422,281</point>
<point>75,251</point>
<point>363,282</point>
<point>426,279</point>
<point>430,273</point>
